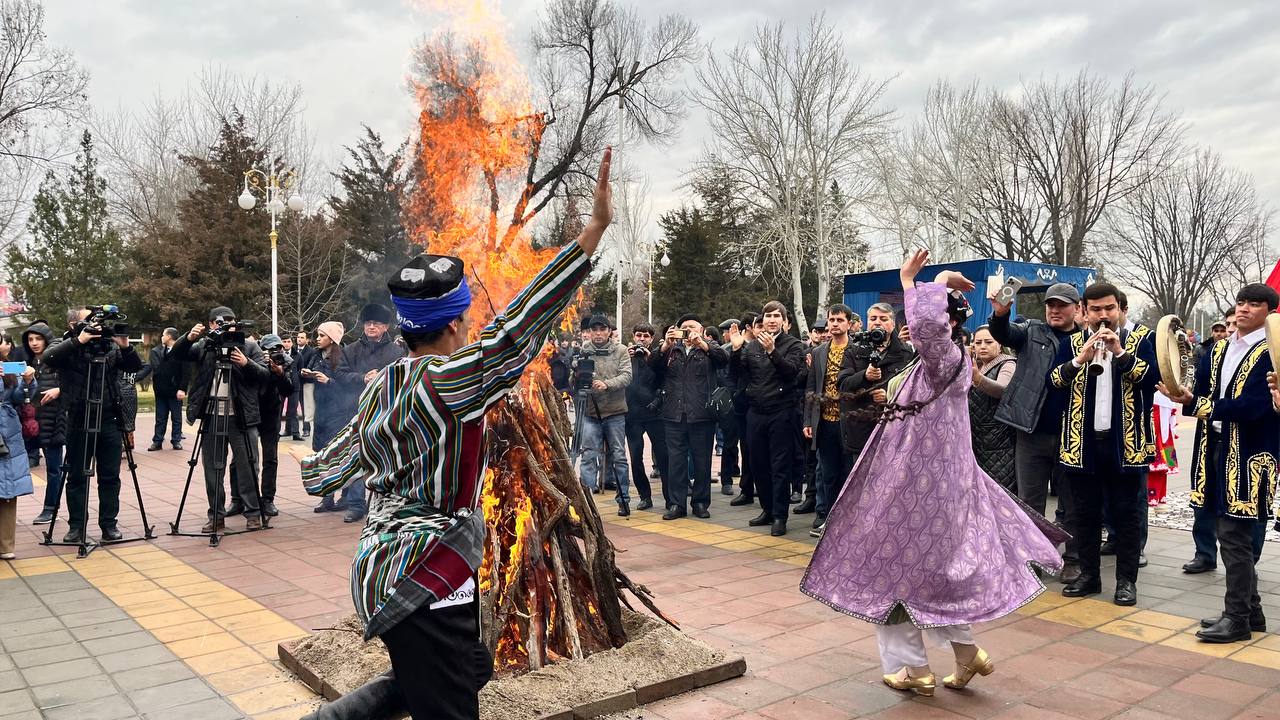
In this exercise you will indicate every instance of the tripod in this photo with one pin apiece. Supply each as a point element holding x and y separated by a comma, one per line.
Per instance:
<point>217,422</point>
<point>97,393</point>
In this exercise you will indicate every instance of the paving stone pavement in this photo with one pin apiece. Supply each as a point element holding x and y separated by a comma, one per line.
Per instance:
<point>175,629</point>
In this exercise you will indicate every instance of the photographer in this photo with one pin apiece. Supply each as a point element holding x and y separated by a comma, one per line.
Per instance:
<point>279,387</point>
<point>644,405</point>
<point>686,364</point>
<point>248,374</point>
<point>602,373</point>
<point>865,372</point>
<point>88,338</point>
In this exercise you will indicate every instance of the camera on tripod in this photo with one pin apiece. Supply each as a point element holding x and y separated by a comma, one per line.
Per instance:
<point>104,323</point>
<point>871,340</point>
<point>229,335</point>
<point>584,372</point>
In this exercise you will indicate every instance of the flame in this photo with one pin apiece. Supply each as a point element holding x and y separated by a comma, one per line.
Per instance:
<point>478,135</point>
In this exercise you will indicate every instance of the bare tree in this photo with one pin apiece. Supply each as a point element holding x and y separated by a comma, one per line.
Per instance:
<point>42,94</point>
<point>790,117</point>
<point>141,149</point>
<point>1174,236</point>
<point>533,150</point>
<point>1084,145</point>
<point>1253,260</point>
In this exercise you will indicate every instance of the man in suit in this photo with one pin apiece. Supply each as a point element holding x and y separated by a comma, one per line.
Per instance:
<point>1107,439</point>
<point>169,376</point>
<point>1233,475</point>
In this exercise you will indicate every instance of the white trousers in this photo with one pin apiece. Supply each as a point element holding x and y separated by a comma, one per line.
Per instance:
<point>902,644</point>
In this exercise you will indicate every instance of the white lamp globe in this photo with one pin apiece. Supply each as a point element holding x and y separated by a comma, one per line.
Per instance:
<point>296,203</point>
<point>275,205</point>
<point>247,200</point>
<point>665,260</point>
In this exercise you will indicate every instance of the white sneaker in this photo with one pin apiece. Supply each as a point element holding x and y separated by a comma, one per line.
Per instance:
<point>7,556</point>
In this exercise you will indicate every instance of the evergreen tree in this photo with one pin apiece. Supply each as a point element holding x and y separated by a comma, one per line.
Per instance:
<point>218,254</point>
<point>72,253</point>
<point>368,217</point>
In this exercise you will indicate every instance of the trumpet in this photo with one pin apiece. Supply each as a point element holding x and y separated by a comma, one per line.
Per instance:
<point>1101,356</point>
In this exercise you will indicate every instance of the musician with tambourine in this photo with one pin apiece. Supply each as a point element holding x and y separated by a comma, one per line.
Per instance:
<point>1233,476</point>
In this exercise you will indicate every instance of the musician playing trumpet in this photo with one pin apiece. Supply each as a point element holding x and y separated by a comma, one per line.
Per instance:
<point>1233,476</point>
<point>1108,374</point>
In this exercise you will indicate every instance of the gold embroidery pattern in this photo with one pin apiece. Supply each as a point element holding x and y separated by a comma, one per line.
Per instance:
<point>1071,452</point>
<point>1236,505</point>
<point>1262,473</point>
<point>1204,408</point>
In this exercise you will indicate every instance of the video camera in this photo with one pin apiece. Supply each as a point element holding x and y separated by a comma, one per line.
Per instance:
<point>280,357</point>
<point>871,340</point>
<point>584,366</point>
<point>228,335</point>
<point>104,323</point>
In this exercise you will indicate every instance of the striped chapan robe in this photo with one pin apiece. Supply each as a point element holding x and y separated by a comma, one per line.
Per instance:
<point>417,443</point>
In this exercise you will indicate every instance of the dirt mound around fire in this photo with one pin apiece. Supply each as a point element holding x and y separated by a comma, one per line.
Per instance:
<point>657,661</point>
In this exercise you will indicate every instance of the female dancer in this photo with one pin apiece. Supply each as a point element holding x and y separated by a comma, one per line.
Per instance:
<point>921,538</point>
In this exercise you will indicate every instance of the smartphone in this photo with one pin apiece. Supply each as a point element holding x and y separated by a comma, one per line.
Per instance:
<point>1009,290</point>
<point>14,368</point>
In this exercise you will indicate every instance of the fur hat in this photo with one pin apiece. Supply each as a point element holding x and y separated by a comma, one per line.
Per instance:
<point>377,313</point>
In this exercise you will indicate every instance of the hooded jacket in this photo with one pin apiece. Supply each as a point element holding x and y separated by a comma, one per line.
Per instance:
<point>52,417</point>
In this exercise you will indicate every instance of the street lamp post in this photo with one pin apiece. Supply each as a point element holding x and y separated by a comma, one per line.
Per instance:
<point>272,186</point>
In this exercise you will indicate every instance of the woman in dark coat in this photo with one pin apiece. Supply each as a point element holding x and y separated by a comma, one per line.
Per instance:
<point>335,403</point>
<point>993,441</point>
<point>51,416</point>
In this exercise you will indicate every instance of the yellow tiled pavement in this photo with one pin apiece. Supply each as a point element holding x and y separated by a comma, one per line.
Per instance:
<point>221,634</point>
<point>1143,625</point>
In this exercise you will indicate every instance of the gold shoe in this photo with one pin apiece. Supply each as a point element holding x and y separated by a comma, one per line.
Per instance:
<point>918,685</point>
<point>980,665</point>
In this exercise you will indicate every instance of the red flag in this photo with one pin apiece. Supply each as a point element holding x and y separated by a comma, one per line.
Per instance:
<point>1273,280</point>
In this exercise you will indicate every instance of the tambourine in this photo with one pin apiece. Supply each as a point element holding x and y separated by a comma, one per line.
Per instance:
<point>1175,355</point>
<point>1273,340</point>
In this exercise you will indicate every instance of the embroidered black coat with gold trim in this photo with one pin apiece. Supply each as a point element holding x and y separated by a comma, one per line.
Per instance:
<point>1245,477</point>
<point>1131,422</point>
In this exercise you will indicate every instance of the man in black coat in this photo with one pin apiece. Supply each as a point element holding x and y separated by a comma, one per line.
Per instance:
<point>169,377</point>
<point>859,375</point>
<point>241,401</point>
<point>686,366</point>
<point>303,351</point>
<point>769,365</point>
<point>361,361</point>
<point>51,416</point>
<point>644,416</point>
<point>279,387</point>
<point>71,358</point>
<point>292,416</point>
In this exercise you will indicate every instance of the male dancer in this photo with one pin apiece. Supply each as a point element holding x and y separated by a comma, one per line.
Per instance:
<point>417,442</point>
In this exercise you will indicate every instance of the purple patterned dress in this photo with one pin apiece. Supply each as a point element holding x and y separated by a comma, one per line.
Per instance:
<point>919,523</point>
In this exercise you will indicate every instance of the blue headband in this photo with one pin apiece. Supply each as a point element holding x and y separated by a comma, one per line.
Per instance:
<point>429,314</point>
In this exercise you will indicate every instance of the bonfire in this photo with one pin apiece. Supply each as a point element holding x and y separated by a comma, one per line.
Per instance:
<point>550,589</point>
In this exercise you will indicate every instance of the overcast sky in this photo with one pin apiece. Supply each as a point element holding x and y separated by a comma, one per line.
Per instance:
<point>1216,62</point>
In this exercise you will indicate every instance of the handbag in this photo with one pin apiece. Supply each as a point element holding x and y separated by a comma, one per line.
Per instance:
<point>30,427</point>
<point>720,398</point>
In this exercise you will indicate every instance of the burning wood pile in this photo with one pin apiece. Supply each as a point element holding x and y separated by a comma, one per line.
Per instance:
<point>550,588</point>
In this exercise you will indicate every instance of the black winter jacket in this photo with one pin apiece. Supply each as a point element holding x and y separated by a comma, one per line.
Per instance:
<point>274,392</point>
<point>644,394</point>
<point>855,432</point>
<point>1023,405</point>
<point>363,355</point>
<point>51,417</point>
<point>769,378</point>
<point>71,359</point>
<point>247,381</point>
<point>169,373</point>
<point>687,380</point>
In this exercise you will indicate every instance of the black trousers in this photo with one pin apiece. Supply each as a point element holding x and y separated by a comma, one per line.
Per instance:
<point>729,467</point>
<point>773,451</point>
<point>688,442</point>
<point>242,446</point>
<point>106,471</point>
<point>1235,540</point>
<point>1107,485</point>
<point>291,413</point>
<point>636,430</point>
<point>437,669</point>
<point>834,464</point>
